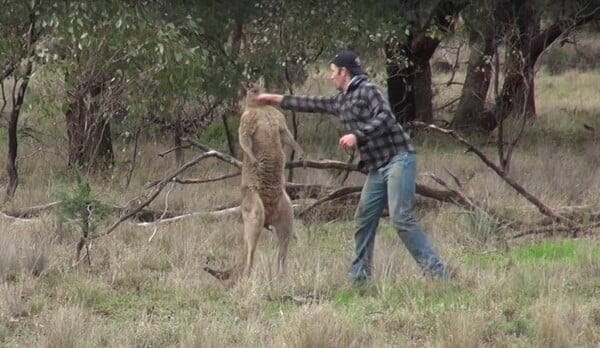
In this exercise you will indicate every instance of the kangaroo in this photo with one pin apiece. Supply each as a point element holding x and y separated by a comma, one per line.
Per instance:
<point>265,203</point>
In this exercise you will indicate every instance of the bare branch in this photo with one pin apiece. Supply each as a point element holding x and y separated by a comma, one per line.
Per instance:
<point>196,181</point>
<point>447,104</point>
<point>543,208</point>
<point>223,156</point>
<point>553,229</point>
<point>165,210</point>
<point>324,164</point>
<point>339,193</point>
<point>161,186</point>
<point>30,212</point>
<point>318,164</point>
<point>221,212</point>
<point>212,213</point>
<point>134,155</point>
<point>464,199</point>
<point>164,153</point>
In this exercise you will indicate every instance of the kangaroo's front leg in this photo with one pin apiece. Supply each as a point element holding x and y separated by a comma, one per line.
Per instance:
<point>245,139</point>
<point>288,139</point>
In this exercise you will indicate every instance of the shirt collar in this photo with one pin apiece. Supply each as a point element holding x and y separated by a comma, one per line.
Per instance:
<point>354,82</point>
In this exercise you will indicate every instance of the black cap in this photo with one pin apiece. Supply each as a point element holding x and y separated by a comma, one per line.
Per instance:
<point>349,60</point>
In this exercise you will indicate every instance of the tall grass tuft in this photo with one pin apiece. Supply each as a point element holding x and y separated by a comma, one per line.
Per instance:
<point>556,323</point>
<point>23,253</point>
<point>462,329</point>
<point>321,326</point>
<point>68,327</point>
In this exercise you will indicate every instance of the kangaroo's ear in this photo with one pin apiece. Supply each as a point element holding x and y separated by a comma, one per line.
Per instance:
<point>261,82</point>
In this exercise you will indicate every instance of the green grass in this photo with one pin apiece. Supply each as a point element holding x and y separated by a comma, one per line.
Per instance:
<point>566,252</point>
<point>214,136</point>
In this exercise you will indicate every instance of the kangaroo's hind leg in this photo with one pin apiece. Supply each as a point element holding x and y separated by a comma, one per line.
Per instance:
<point>283,223</point>
<point>253,215</point>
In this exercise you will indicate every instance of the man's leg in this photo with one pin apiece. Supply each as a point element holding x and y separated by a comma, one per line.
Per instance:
<point>400,177</point>
<point>370,207</point>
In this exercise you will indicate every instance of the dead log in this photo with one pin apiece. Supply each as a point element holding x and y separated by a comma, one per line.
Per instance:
<point>299,190</point>
<point>554,229</point>
<point>31,212</point>
<point>339,193</point>
<point>543,208</point>
<point>157,191</point>
<point>195,181</point>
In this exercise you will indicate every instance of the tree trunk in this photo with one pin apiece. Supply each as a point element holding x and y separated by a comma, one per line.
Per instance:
<point>228,134</point>
<point>516,97</point>
<point>525,45</point>
<point>11,164</point>
<point>409,85</point>
<point>477,82</point>
<point>409,88</point>
<point>88,130</point>
<point>13,121</point>
<point>423,95</point>
<point>177,134</point>
<point>399,84</point>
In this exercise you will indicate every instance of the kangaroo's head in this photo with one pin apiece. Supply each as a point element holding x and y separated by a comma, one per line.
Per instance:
<point>253,89</point>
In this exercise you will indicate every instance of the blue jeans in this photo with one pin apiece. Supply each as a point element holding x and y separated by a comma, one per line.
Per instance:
<point>393,184</point>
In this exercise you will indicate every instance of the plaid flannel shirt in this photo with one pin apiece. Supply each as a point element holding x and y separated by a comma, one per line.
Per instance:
<point>367,114</point>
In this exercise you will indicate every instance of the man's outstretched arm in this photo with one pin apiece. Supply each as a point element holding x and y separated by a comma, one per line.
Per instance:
<point>311,104</point>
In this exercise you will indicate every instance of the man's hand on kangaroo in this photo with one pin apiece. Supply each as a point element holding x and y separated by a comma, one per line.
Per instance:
<point>268,98</point>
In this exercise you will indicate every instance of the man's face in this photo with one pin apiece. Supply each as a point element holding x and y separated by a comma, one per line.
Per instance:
<point>339,77</point>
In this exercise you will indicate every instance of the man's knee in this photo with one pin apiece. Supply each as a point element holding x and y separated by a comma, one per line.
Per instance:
<point>403,223</point>
<point>364,218</point>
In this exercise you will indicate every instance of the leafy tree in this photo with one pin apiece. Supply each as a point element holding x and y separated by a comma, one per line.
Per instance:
<point>18,35</point>
<point>525,30</point>
<point>119,59</point>
<point>409,33</point>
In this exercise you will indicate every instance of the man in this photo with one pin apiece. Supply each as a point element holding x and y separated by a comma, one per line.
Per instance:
<point>387,154</point>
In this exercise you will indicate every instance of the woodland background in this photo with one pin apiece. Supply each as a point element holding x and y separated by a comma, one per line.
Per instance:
<point>119,121</point>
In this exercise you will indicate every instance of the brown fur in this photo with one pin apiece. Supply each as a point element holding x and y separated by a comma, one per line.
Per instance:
<point>262,134</point>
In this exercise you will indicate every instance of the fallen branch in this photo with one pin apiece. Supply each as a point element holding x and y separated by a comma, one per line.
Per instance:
<point>160,187</point>
<point>440,195</point>
<point>222,156</point>
<point>211,213</point>
<point>164,213</point>
<point>317,164</point>
<point>31,212</point>
<point>20,219</point>
<point>221,212</point>
<point>195,181</point>
<point>324,164</point>
<point>553,229</point>
<point>166,152</point>
<point>299,190</point>
<point>446,196</point>
<point>543,208</point>
<point>341,192</point>
<point>466,201</point>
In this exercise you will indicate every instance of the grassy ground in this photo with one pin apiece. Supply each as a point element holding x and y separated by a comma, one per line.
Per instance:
<point>529,292</point>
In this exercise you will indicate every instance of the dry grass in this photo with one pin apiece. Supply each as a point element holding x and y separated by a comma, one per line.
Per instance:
<point>154,294</point>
